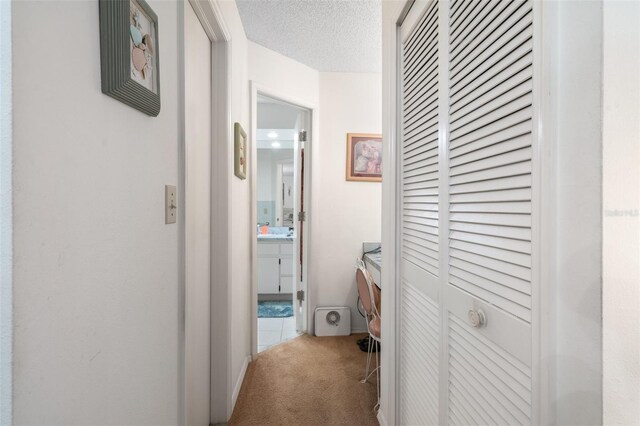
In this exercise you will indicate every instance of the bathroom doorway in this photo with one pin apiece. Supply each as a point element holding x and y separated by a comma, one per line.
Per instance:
<point>280,135</point>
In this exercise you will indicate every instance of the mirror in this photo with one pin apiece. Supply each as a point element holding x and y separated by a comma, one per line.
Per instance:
<point>277,125</point>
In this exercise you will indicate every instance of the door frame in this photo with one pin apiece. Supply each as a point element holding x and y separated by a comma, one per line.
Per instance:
<point>211,18</point>
<point>543,324</point>
<point>6,217</point>
<point>258,89</point>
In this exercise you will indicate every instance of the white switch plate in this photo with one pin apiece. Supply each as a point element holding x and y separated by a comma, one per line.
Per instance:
<point>170,204</point>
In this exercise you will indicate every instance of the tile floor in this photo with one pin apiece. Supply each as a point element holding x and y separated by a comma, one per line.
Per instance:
<point>272,331</point>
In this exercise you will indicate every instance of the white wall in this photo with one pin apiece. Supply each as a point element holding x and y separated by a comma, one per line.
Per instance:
<point>347,213</point>
<point>282,75</point>
<point>96,293</point>
<point>621,203</point>
<point>576,91</point>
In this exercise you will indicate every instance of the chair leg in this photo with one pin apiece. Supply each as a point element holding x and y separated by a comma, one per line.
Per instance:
<point>366,370</point>
<point>377,406</point>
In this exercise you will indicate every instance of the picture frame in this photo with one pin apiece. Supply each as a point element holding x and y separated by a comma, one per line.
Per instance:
<point>364,157</point>
<point>129,54</point>
<point>240,151</point>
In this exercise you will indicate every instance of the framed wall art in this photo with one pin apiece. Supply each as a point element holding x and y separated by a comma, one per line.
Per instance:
<point>240,151</point>
<point>364,157</point>
<point>129,54</point>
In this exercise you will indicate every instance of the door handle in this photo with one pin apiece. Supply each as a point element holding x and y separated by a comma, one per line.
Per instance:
<point>477,318</point>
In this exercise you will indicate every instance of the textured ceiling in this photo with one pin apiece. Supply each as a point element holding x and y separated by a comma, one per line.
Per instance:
<point>328,35</point>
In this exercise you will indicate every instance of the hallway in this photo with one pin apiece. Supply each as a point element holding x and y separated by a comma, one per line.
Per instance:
<point>308,381</point>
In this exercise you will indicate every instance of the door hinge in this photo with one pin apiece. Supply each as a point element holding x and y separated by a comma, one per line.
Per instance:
<point>302,216</point>
<point>301,295</point>
<point>302,136</point>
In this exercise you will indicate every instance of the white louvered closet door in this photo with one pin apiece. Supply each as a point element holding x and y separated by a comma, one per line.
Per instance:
<point>466,297</point>
<point>419,248</point>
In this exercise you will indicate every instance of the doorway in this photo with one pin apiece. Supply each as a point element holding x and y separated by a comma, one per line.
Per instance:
<point>205,391</point>
<point>279,200</point>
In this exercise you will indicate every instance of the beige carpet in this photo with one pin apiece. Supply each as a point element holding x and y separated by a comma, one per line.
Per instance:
<point>308,381</point>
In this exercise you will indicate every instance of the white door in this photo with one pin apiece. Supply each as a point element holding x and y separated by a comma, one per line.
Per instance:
<point>466,171</point>
<point>198,218</point>
<point>420,236</point>
<point>301,203</point>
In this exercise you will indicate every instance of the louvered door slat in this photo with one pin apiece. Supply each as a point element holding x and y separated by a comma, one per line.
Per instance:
<point>512,88</point>
<point>420,157</point>
<point>506,55</point>
<point>419,354</point>
<point>501,231</point>
<point>492,115</point>
<point>463,18</point>
<point>508,164</point>
<point>433,237</point>
<point>424,123</point>
<point>522,168</point>
<point>426,23</point>
<point>480,365</point>
<point>509,281</point>
<point>424,58</point>
<point>424,96</point>
<point>474,152</point>
<point>514,368</point>
<point>510,182</point>
<point>496,127</point>
<point>506,87</point>
<point>503,294</point>
<point>462,36</point>
<point>491,241</point>
<point>509,23</point>
<point>474,22</point>
<point>421,145</point>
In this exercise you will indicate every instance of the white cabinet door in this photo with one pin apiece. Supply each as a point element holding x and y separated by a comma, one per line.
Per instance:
<point>268,275</point>
<point>286,266</point>
<point>286,284</point>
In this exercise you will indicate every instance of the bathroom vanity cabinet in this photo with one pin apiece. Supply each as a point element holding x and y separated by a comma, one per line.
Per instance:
<point>275,267</point>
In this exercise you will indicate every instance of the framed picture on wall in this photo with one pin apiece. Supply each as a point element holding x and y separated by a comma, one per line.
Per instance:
<point>240,151</point>
<point>364,157</point>
<point>129,54</point>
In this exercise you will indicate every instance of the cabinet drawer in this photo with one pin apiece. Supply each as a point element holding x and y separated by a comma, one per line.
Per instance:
<point>268,249</point>
<point>286,248</point>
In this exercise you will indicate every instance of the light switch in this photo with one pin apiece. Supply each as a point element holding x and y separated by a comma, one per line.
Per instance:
<point>170,205</point>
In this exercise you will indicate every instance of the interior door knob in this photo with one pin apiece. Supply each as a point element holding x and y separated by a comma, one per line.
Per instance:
<point>477,318</point>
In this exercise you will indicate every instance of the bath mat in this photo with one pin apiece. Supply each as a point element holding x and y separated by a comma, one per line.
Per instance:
<point>275,308</point>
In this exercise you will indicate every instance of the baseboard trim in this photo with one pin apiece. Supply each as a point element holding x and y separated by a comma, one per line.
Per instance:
<point>238,386</point>
<point>358,331</point>
<point>381,418</point>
